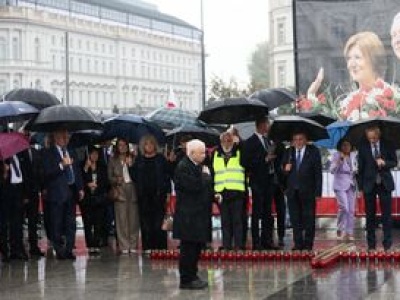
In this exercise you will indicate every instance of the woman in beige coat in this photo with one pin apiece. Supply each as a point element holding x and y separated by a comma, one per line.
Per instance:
<point>126,206</point>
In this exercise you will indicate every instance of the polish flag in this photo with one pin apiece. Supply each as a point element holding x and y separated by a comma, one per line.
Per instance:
<point>171,103</point>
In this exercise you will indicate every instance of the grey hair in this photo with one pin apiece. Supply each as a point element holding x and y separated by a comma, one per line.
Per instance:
<point>396,21</point>
<point>193,145</point>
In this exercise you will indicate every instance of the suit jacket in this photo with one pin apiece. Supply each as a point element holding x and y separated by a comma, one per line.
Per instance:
<point>343,171</point>
<point>32,170</point>
<point>194,193</point>
<point>308,179</point>
<point>115,170</point>
<point>255,163</point>
<point>368,170</point>
<point>56,183</point>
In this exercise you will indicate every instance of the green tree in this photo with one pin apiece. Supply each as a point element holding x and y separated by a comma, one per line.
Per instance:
<point>221,89</point>
<point>258,67</point>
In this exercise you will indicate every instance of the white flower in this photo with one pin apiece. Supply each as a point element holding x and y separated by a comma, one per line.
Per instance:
<point>364,115</point>
<point>371,100</point>
<point>354,116</point>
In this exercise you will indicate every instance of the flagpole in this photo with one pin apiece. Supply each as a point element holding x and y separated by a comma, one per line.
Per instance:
<point>203,60</point>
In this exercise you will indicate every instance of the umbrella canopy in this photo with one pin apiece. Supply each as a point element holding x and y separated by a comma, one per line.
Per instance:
<point>37,98</point>
<point>170,118</point>
<point>12,143</point>
<point>283,128</point>
<point>274,98</point>
<point>85,138</point>
<point>233,110</point>
<point>71,118</point>
<point>132,128</point>
<point>389,126</point>
<point>336,131</point>
<point>209,136</point>
<point>16,111</point>
<point>320,118</point>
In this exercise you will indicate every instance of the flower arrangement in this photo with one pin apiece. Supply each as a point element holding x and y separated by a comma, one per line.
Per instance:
<point>380,100</point>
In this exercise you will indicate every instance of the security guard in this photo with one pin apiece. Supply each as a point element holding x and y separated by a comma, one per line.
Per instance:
<point>230,190</point>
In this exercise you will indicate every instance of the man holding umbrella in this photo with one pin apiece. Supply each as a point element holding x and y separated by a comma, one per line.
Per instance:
<point>63,183</point>
<point>376,158</point>
<point>260,156</point>
<point>302,164</point>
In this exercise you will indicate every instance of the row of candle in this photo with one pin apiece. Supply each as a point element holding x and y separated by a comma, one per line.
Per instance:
<point>238,255</point>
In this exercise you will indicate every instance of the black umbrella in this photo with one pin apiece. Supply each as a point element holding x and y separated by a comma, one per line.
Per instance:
<point>283,127</point>
<point>71,118</point>
<point>274,98</point>
<point>233,110</point>
<point>132,128</point>
<point>170,118</point>
<point>320,118</point>
<point>16,111</point>
<point>85,138</point>
<point>37,98</point>
<point>208,135</point>
<point>389,126</point>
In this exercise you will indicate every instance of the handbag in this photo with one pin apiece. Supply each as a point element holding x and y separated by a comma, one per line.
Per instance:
<point>114,194</point>
<point>168,223</point>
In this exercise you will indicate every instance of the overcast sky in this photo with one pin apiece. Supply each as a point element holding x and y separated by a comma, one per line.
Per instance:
<point>232,29</point>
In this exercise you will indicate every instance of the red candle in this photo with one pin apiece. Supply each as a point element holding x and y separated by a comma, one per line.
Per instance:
<point>278,255</point>
<point>287,255</point>
<point>176,254</point>
<point>363,255</point>
<point>381,255</point>
<point>315,263</point>
<point>353,255</point>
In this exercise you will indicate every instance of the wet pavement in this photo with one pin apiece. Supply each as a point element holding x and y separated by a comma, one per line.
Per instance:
<point>109,276</point>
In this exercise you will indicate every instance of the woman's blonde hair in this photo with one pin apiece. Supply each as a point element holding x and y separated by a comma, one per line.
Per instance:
<point>148,138</point>
<point>371,47</point>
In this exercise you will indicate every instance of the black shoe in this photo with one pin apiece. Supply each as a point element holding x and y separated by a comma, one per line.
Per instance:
<point>297,248</point>
<point>270,247</point>
<point>70,255</point>
<point>387,248</point>
<point>371,249</point>
<point>61,256</point>
<point>36,252</point>
<point>281,243</point>
<point>5,258</point>
<point>197,284</point>
<point>20,256</point>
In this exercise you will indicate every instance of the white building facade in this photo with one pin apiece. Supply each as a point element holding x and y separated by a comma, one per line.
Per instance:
<point>282,66</point>
<point>120,55</point>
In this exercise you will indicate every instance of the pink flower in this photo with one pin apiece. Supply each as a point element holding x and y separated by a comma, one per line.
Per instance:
<point>321,98</point>
<point>388,93</point>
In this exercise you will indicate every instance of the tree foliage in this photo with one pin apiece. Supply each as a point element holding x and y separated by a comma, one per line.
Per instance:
<point>258,67</point>
<point>221,89</point>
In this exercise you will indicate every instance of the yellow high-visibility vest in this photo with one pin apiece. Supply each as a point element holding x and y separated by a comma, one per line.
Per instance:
<point>230,177</point>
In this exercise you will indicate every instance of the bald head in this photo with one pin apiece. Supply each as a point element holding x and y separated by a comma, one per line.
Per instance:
<point>196,151</point>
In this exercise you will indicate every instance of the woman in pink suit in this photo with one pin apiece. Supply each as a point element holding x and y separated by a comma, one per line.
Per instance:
<point>344,168</point>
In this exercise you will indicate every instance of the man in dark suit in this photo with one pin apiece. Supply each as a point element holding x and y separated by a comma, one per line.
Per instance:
<point>260,156</point>
<point>33,169</point>
<point>192,219</point>
<point>303,166</point>
<point>13,190</point>
<point>63,183</point>
<point>375,159</point>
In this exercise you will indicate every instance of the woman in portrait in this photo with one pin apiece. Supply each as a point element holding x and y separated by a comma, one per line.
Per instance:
<point>366,63</point>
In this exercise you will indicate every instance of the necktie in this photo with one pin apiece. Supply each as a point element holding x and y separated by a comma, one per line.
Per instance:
<point>298,159</point>
<point>69,173</point>
<point>15,167</point>
<point>376,151</point>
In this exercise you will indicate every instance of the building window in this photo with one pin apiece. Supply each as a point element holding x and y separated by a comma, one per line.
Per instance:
<point>3,48</point>
<point>15,48</point>
<point>71,64</point>
<point>111,68</point>
<point>133,52</point>
<point>38,84</point>
<point>96,66</point>
<point>54,62</point>
<point>133,70</point>
<point>87,45</point>
<point>80,64</point>
<point>3,87</point>
<point>123,51</point>
<point>88,66</point>
<point>103,48</point>
<point>53,40</point>
<point>37,49</point>
<point>79,44</point>
<point>104,67</point>
<point>281,72</point>
<point>16,84</point>
<point>62,63</point>
<point>111,49</point>
<point>281,32</point>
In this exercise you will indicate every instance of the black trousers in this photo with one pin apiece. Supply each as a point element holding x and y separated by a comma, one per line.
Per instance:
<point>385,200</point>
<point>92,216</point>
<point>302,217</point>
<point>279,198</point>
<point>232,219</point>
<point>63,222</point>
<point>32,214</point>
<point>11,210</point>
<point>188,260</point>
<point>151,219</point>
<point>262,210</point>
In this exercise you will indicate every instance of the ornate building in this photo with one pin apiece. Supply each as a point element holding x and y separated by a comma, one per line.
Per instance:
<point>124,56</point>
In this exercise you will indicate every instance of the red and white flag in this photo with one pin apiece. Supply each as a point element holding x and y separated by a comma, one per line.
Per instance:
<point>171,102</point>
